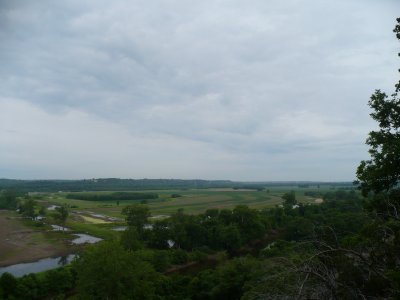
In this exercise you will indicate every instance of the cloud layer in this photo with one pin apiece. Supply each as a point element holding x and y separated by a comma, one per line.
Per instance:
<point>256,90</point>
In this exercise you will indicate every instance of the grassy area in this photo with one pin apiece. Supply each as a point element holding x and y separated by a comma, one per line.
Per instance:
<point>193,201</point>
<point>94,220</point>
<point>97,230</point>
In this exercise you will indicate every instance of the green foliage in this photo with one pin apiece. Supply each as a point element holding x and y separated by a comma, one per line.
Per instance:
<point>215,229</point>
<point>58,280</point>
<point>298,228</point>
<point>51,284</point>
<point>232,278</point>
<point>179,257</point>
<point>107,271</point>
<point>136,216</point>
<point>130,239</point>
<point>248,222</point>
<point>160,234</point>
<point>161,260</point>
<point>200,287</point>
<point>228,281</point>
<point>8,285</point>
<point>8,199</point>
<point>199,255</point>
<point>379,178</point>
<point>278,248</point>
<point>27,208</point>
<point>42,210</point>
<point>62,213</point>
<point>230,238</point>
<point>289,199</point>
<point>31,287</point>
<point>380,173</point>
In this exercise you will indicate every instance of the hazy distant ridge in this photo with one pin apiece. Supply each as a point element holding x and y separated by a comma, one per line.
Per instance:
<point>116,184</point>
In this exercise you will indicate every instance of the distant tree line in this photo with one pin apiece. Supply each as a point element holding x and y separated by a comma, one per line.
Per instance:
<point>117,184</point>
<point>109,184</point>
<point>256,187</point>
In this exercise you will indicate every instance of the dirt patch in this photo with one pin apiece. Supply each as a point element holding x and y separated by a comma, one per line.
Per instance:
<point>20,243</point>
<point>94,220</point>
<point>319,200</point>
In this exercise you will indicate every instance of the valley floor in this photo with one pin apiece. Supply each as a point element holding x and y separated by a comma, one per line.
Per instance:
<point>20,242</point>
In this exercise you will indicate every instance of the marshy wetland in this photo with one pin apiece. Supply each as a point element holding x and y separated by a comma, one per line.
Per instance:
<point>26,241</point>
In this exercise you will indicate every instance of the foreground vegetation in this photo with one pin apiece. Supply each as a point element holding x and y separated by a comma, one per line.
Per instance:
<point>144,262</point>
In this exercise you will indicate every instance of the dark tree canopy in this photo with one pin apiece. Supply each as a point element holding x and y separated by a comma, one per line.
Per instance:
<point>379,178</point>
<point>28,208</point>
<point>62,214</point>
<point>106,271</point>
<point>381,173</point>
<point>136,215</point>
<point>8,199</point>
<point>289,199</point>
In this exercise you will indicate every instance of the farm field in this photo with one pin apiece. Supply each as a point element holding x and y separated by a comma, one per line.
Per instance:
<point>192,201</point>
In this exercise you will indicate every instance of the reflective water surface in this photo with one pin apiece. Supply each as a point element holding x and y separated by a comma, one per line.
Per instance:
<point>44,264</point>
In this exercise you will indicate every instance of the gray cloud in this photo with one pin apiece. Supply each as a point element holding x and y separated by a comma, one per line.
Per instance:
<point>256,90</point>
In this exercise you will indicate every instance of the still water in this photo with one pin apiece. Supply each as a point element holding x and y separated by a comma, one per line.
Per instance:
<point>44,264</point>
<point>85,238</point>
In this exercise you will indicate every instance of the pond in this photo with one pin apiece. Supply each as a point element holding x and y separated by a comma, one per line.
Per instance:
<point>59,228</point>
<point>44,264</point>
<point>123,228</point>
<point>112,219</point>
<point>85,238</point>
<point>119,228</point>
<point>52,207</point>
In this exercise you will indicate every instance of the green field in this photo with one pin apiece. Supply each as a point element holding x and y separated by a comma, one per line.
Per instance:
<point>192,201</point>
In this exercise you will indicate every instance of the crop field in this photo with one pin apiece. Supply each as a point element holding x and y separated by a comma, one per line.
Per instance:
<point>98,218</point>
<point>192,201</point>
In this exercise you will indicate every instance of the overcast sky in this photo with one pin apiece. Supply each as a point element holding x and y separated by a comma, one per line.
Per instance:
<point>243,90</point>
